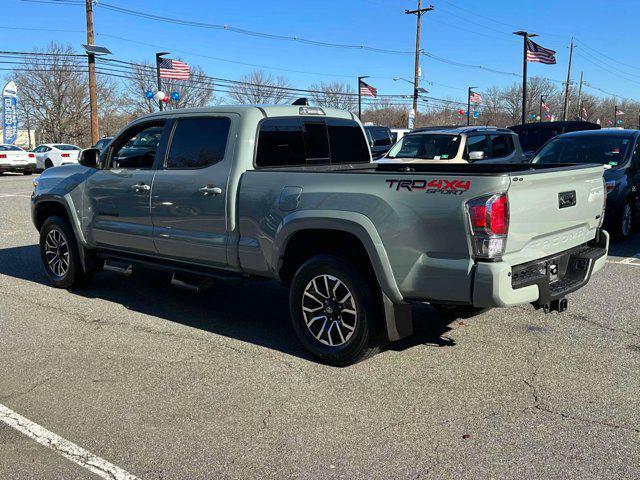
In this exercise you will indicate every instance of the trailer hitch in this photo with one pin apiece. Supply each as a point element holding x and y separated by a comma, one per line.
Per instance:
<point>559,305</point>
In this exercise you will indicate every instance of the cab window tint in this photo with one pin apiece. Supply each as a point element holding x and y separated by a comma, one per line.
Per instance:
<point>136,148</point>
<point>198,142</point>
<point>501,145</point>
<point>304,141</point>
<point>478,143</point>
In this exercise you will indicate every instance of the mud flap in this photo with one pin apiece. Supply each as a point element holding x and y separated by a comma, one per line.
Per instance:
<point>398,319</point>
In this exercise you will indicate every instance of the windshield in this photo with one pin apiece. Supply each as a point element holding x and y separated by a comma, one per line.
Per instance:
<point>9,148</point>
<point>606,150</point>
<point>67,147</point>
<point>427,147</point>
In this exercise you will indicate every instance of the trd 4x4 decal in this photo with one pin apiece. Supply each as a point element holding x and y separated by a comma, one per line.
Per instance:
<point>444,186</point>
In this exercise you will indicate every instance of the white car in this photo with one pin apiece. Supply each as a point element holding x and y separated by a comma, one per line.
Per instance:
<point>15,159</point>
<point>55,154</point>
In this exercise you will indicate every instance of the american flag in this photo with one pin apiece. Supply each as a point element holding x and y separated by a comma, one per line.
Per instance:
<point>545,107</point>
<point>536,53</point>
<point>367,90</point>
<point>475,97</point>
<point>173,69</point>
<point>619,112</point>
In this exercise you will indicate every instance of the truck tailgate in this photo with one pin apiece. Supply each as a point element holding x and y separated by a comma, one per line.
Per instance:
<point>552,211</point>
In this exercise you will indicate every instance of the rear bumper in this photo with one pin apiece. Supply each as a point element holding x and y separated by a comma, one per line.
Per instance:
<point>501,285</point>
<point>24,167</point>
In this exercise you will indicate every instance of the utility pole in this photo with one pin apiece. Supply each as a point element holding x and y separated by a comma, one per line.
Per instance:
<point>525,37</point>
<point>418,13</point>
<point>580,95</point>
<point>93,96</point>
<point>541,103</point>
<point>158,58</point>
<point>469,92</point>
<point>567,86</point>
<point>360,96</point>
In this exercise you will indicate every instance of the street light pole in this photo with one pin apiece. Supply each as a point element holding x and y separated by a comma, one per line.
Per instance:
<point>158,58</point>
<point>541,102</point>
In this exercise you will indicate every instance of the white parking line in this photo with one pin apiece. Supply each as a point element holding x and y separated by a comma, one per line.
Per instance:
<point>635,260</point>
<point>67,449</point>
<point>10,195</point>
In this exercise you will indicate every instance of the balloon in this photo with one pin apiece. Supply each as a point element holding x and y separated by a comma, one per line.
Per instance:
<point>461,112</point>
<point>532,116</point>
<point>175,96</point>
<point>476,114</point>
<point>159,96</point>
<point>165,99</point>
<point>148,94</point>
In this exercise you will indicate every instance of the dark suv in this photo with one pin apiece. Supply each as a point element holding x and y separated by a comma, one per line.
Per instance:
<point>619,151</point>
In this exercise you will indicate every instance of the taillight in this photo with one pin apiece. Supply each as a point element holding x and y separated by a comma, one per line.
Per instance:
<point>32,155</point>
<point>2,155</point>
<point>65,155</point>
<point>489,222</point>
<point>606,190</point>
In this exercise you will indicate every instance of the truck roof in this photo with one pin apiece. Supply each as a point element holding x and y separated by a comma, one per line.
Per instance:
<point>266,110</point>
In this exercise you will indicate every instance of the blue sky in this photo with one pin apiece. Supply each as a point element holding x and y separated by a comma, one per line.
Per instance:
<point>464,31</point>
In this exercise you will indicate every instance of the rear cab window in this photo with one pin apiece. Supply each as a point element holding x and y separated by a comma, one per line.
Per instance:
<point>303,141</point>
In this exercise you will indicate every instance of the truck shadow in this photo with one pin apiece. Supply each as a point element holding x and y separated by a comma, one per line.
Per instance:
<point>256,312</point>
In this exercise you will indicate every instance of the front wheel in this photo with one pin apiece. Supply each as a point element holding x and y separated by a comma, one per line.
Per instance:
<point>59,253</point>
<point>625,224</point>
<point>335,311</point>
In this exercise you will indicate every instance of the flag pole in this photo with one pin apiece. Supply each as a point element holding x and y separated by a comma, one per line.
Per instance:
<point>468,106</point>
<point>360,97</point>
<point>525,36</point>
<point>615,115</point>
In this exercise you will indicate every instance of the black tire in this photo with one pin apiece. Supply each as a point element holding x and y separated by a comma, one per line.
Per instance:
<point>367,336</point>
<point>27,173</point>
<point>73,276</point>
<point>458,311</point>
<point>622,232</point>
<point>48,164</point>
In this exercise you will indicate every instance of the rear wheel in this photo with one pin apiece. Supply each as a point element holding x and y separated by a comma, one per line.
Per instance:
<point>59,253</point>
<point>334,311</point>
<point>48,164</point>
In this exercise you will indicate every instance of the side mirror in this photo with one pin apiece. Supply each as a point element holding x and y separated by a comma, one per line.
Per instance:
<point>473,156</point>
<point>90,158</point>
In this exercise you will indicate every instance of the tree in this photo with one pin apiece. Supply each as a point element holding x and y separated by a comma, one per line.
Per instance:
<point>335,94</point>
<point>260,87</point>
<point>54,88</point>
<point>198,91</point>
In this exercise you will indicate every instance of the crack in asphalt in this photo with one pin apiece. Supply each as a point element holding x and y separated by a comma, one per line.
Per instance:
<point>27,390</point>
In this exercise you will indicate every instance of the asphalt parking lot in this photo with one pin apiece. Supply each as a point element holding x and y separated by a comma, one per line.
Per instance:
<point>165,384</point>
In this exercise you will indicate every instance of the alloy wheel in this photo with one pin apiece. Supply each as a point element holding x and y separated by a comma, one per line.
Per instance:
<point>329,310</point>
<point>56,252</point>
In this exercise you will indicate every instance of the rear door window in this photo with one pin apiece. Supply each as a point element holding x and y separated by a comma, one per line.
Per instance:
<point>501,145</point>
<point>348,144</point>
<point>198,142</point>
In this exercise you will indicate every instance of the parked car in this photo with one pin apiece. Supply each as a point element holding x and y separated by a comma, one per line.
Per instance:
<point>102,143</point>
<point>619,152</point>
<point>55,154</point>
<point>533,135</point>
<point>457,145</point>
<point>398,133</point>
<point>15,159</point>
<point>379,139</point>
<point>290,193</point>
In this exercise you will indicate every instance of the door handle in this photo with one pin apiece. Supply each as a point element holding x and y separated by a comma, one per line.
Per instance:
<point>210,190</point>
<point>140,187</point>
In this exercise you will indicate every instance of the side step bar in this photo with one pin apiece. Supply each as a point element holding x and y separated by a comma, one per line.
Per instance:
<point>123,268</point>
<point>190,277</point>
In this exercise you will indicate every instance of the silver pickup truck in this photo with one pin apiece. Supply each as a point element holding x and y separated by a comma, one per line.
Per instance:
<point>290,193</point>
